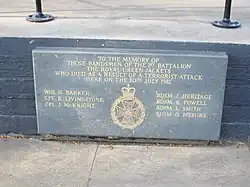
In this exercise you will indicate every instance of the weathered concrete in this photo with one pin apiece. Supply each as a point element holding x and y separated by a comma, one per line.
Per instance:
<point>174,166</point>
<point>138,20</point>
<point>31,163</point>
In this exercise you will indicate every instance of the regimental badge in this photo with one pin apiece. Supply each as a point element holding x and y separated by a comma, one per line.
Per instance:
<point>127,111</point>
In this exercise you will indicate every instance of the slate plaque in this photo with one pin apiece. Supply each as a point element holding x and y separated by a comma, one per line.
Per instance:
<point>129,93</point>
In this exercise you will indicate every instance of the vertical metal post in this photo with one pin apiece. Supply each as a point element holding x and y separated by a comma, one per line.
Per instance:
<point>227,11</point>
<point>39,16</point>
<point>39,6</point>
<point>227,22</point>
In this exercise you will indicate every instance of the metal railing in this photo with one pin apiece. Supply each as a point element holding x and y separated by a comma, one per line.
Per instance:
<point>226,22</point>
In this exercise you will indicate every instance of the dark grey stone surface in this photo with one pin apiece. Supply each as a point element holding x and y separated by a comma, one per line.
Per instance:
<point>19,124</point>
<point>17,83</point>
<point>170,94</point>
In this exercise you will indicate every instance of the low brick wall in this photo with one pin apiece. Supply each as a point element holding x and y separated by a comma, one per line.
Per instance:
<point>17,104</point>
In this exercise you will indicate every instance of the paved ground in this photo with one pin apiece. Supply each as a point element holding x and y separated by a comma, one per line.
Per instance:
<point>119,19</point>
<point>33,163</point>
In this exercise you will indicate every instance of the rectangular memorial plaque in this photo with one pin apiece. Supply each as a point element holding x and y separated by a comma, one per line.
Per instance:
<point>129,93</point>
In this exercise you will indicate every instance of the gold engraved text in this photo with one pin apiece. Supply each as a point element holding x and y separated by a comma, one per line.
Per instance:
<point>71,99</point>
<point>128,69</point>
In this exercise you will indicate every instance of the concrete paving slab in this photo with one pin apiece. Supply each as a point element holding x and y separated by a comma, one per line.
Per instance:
<point>140,9</point>
<point>132,20</point>
<point>140,166</point>
<point>32,163</point>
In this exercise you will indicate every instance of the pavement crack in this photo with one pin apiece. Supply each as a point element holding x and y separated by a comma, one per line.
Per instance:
<point>92,166</point>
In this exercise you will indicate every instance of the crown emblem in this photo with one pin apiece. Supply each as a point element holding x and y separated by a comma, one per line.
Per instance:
<point>128,92</point>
